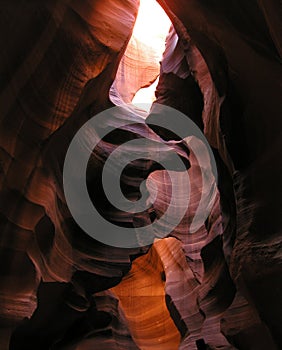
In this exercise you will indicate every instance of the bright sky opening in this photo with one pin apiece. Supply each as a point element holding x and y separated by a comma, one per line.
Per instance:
<point>151,27</point>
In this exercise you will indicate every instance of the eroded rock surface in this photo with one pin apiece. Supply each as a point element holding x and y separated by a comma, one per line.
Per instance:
<point>219,286</point>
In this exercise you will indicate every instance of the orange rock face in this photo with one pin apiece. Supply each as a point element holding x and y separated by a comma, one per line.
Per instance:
<point>218,287</point>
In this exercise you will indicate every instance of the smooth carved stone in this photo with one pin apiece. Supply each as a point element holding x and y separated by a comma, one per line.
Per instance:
<point>222,67</point>
<point>240,45</point>
<point>142,297</point>
<point>56,56</point>
<point>138,68</point>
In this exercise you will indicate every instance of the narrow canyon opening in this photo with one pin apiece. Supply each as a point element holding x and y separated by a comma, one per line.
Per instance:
<point>139,69</point>
<point>218,288</point>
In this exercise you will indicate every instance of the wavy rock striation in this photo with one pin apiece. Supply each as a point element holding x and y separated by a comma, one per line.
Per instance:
<point>218,287</point>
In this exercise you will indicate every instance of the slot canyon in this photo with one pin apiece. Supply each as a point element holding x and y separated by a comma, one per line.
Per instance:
<point>216,286</point>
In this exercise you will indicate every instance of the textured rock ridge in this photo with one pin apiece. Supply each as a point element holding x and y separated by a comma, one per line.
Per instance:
<point>216,288</point>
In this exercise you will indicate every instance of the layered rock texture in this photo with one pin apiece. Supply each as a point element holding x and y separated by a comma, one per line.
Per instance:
<point>218,287</point>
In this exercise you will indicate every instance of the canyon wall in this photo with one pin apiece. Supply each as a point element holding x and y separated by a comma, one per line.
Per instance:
<point>60,288</point>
